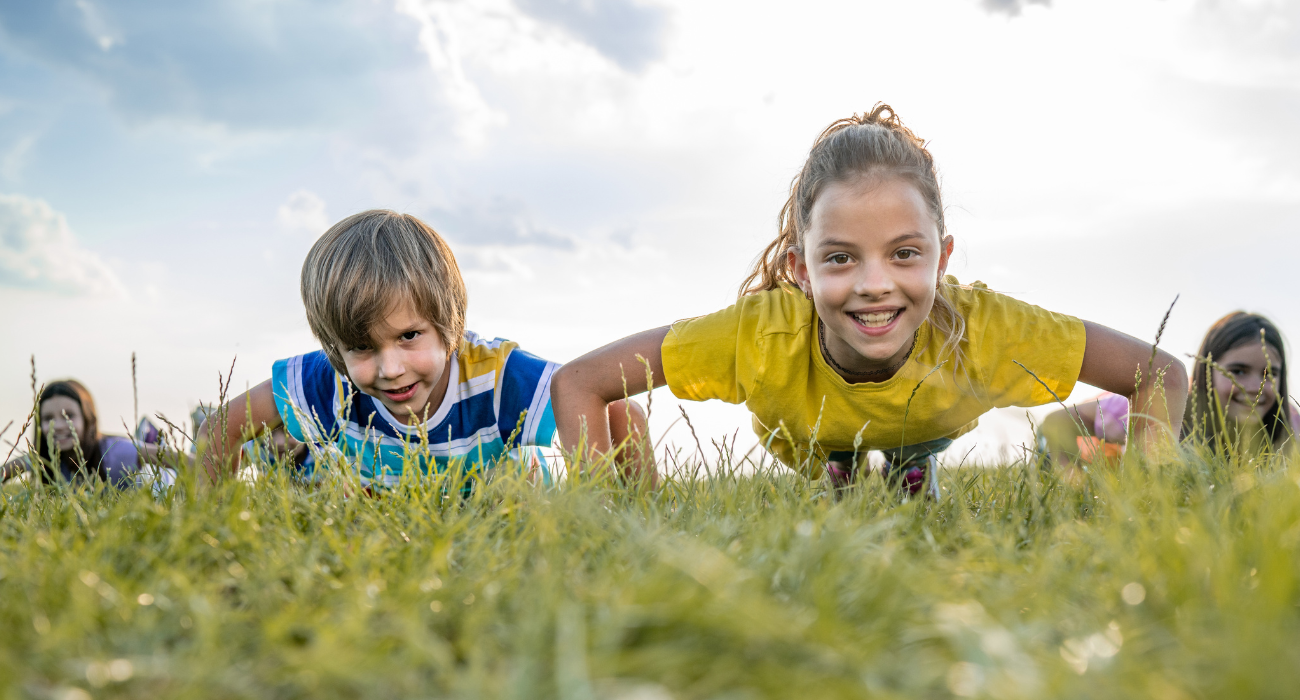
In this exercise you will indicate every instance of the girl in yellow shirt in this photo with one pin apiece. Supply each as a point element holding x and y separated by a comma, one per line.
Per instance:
<point>848,336</point>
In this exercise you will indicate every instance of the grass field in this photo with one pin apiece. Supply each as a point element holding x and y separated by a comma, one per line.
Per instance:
<point>1170,581</point>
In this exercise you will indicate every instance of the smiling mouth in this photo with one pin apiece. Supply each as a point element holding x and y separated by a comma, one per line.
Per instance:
<point>876,319</point>
<point>400,394</point>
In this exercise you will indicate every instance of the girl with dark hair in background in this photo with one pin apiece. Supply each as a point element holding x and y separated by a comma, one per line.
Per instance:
<point>68,445</point>
<point>1238,400</point>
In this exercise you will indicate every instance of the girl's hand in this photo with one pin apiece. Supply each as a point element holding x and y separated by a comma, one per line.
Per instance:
<point>1113,361</point>
<point>582,390</point>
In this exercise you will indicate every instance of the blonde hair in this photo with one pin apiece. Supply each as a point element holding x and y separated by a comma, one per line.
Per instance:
<point>874,145</point>
<point>367,262</point>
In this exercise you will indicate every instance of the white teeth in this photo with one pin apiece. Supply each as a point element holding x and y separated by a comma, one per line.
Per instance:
<point>876,319</point>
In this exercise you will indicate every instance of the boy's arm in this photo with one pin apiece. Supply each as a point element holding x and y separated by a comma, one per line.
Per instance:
<point>1112,361</point>
<point>246,416</point>
<point>582,390</point>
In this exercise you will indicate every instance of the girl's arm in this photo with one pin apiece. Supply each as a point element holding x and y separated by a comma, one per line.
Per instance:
<point>1112,360</point>
<point>246,416</point>
<point>582,390</point>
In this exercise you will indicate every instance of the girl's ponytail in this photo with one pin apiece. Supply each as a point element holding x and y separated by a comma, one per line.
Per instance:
<point>772,268</point>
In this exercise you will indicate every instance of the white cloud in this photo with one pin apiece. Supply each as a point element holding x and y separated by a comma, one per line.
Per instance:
<point>15,159</point>
<point>96,26</point>
<point>303,212</point>
<point>627,32</point>
<point>1011,7</point>
<point>498,222</point>
<point>493,47</point>
<point>39,251</point>
<point>245,64</point>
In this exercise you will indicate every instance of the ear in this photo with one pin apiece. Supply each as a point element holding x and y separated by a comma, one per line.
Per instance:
<point>945,248</point>
<point>799,268</point>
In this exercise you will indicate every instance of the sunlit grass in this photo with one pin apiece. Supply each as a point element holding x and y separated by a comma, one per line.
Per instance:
<point>1170,581</point>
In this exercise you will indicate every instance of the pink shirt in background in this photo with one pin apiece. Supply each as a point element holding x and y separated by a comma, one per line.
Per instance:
<point>1111,422</point>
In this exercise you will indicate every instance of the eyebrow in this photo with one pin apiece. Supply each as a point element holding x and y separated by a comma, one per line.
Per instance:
<point>835,242</point>
<point>1246,365</point>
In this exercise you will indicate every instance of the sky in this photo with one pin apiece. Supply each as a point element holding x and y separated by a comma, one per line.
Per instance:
<point>601,167</point>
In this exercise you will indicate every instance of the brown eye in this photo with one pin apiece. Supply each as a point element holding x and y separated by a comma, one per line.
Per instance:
<point>839,259</point>
<point>410,335</point>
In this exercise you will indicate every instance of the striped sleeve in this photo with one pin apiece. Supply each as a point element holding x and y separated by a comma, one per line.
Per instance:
<point>525,400</point>
<point>304,388</point>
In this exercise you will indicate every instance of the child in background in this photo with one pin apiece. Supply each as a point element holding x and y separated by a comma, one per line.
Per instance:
<point>848,337</point>
<point>399,381</point>
<point>1238,406</point>
<point>69,446</point>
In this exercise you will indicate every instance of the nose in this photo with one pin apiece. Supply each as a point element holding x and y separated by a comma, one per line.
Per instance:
<point>390,364</point>
<point>1254,388</point>
<point>874,280</point>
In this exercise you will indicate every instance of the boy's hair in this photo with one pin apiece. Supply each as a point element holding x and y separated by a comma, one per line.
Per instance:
<point>874,145</point>
<point>367,262</point>
<point>1202,419</point>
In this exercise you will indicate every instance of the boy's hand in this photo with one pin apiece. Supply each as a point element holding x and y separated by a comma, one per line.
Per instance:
<point>247,416</point>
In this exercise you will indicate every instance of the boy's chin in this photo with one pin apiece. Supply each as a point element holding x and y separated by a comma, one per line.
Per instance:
<point>402,411</point>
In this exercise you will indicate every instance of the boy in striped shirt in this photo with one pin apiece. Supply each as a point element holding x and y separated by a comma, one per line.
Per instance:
<point>399,383</point>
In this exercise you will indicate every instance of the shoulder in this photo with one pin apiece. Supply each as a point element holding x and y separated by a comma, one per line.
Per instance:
<point>304,381</point>
<point>975,298</point>
<point>476,351</point>
<point>501,359</point>
<point>520,383</point>
<point>783,310</point>
<point>310,365</point>
<point>775,311</point>
<point>1012,346</point>
<point>117,450</point>
<point>985,309</point>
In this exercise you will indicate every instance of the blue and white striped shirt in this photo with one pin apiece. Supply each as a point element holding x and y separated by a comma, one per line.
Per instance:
<point>500,403</point>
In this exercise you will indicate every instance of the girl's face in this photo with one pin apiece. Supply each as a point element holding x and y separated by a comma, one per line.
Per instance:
<point>1245,365</point>
<point>404,366</point>
<point>62,421</point>
<point>872,259</point>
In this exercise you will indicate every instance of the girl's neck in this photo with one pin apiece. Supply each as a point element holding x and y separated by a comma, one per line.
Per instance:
<point>856,369</point>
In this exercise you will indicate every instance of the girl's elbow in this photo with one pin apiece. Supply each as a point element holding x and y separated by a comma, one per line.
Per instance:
<point>1175,373</point>
<point>563,383</point>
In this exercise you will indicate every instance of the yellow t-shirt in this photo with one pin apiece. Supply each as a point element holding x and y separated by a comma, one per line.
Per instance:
<point>764,352</point>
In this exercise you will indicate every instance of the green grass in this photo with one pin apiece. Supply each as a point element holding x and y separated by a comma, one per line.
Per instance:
<point>732,586</point>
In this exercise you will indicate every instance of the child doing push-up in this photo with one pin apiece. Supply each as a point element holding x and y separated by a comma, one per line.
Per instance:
<point>398,382</point>
<point>848,336</point>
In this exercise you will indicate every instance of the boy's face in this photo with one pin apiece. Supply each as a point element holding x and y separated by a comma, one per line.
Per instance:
<point>404,366</point>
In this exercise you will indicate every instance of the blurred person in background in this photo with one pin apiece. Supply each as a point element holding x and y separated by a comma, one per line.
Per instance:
<point>69,447</point>
<point>1237,401</point>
